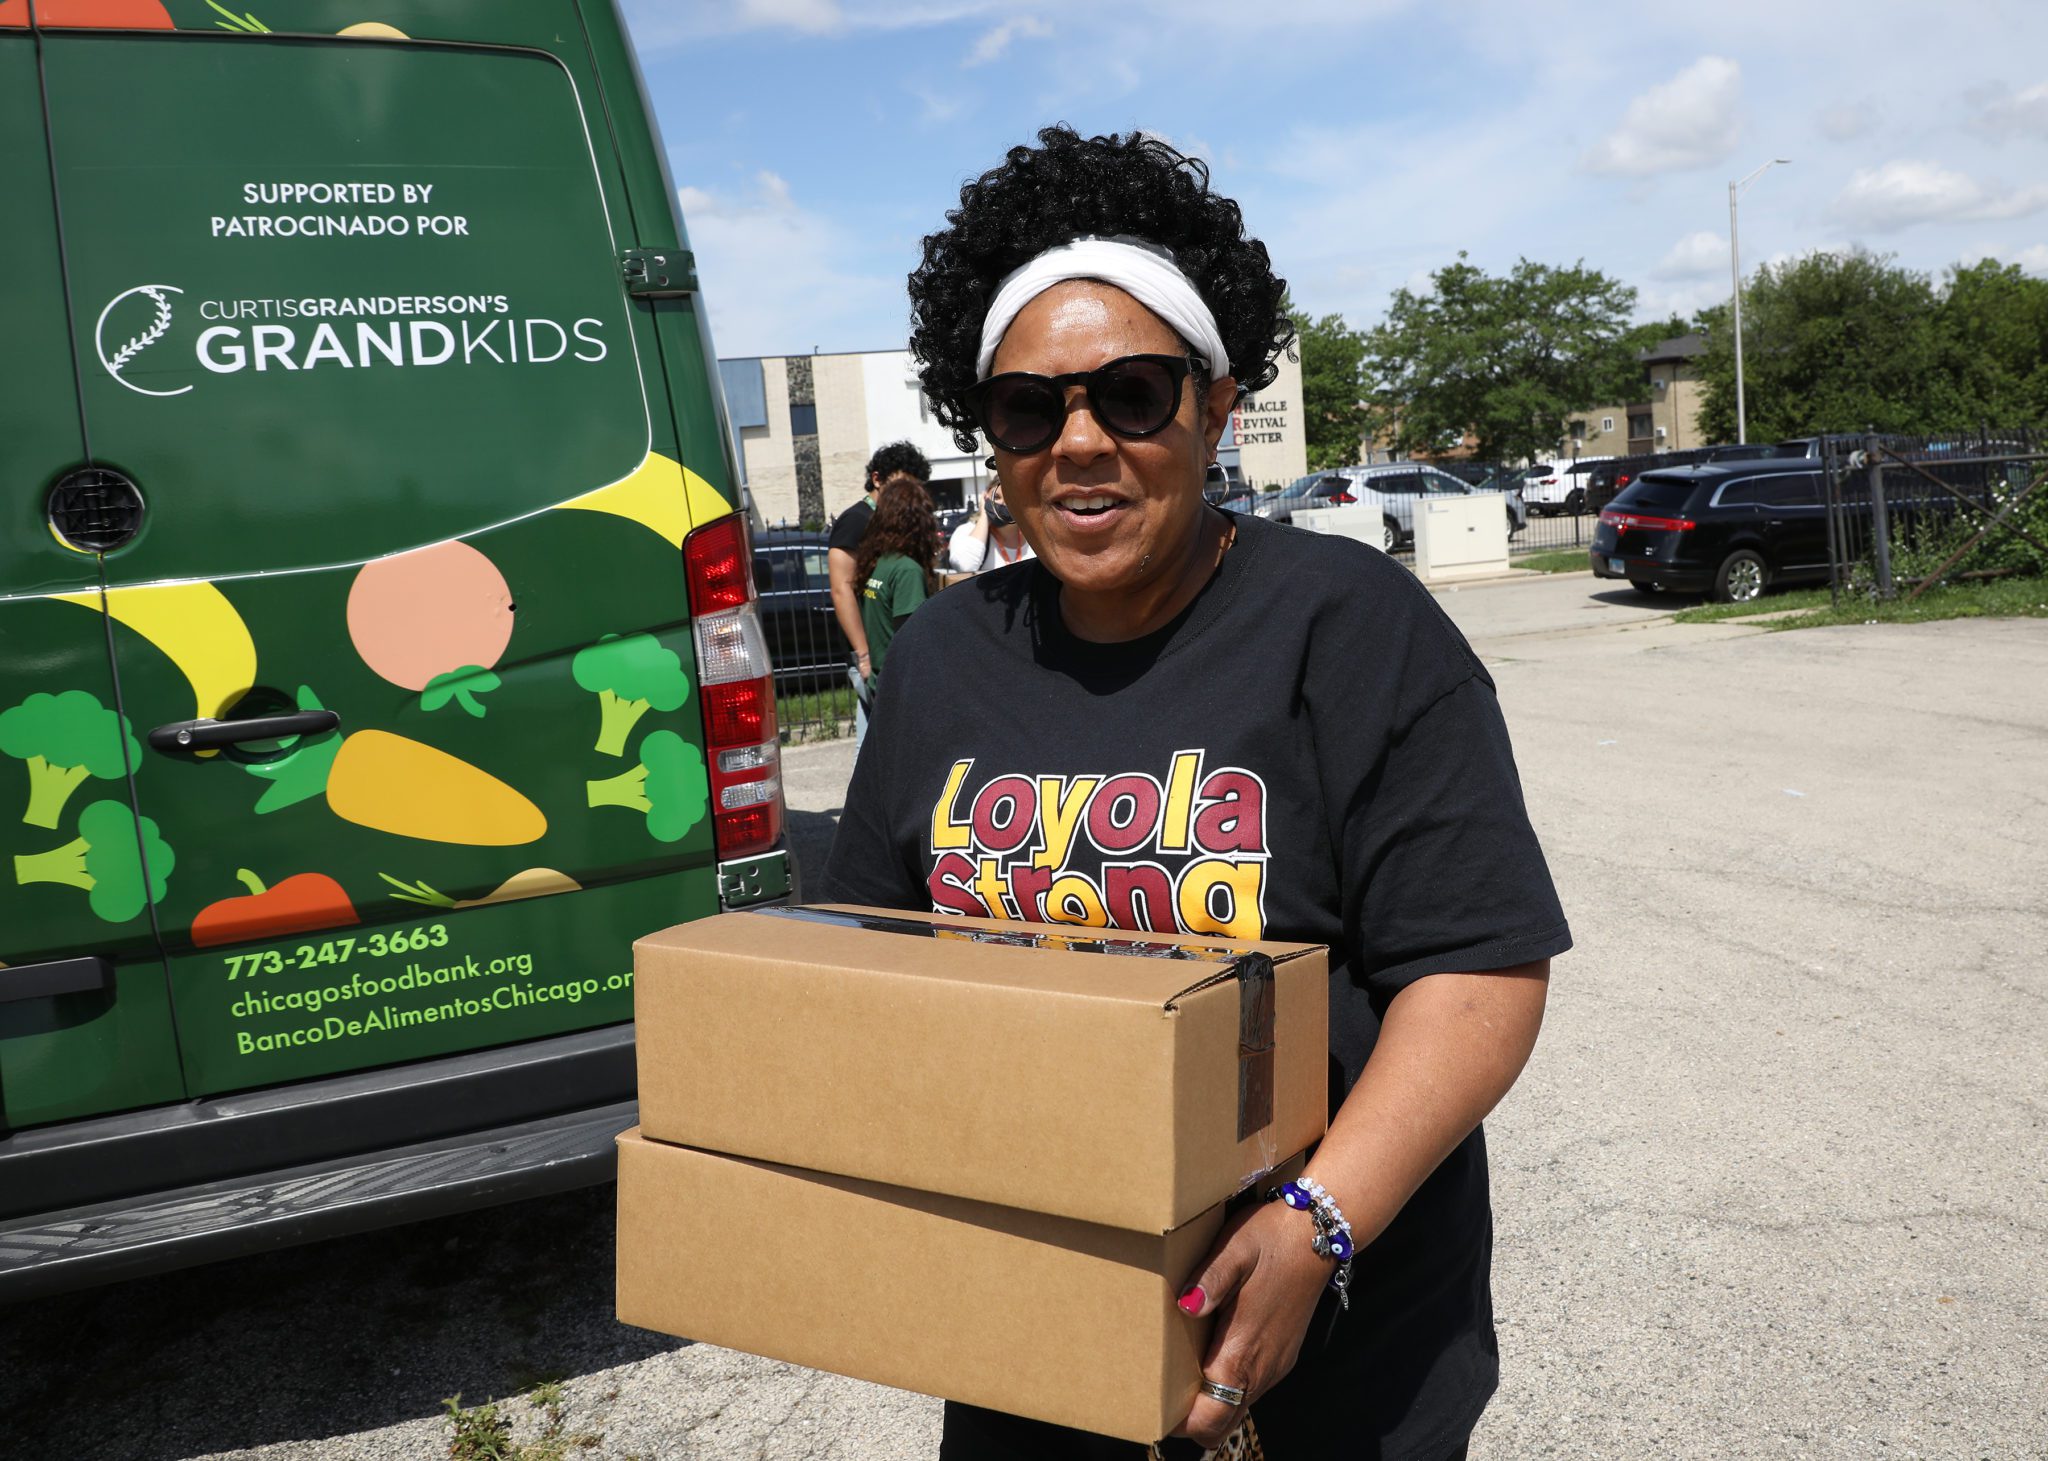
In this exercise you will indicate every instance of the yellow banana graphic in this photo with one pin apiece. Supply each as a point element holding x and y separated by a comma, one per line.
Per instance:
<point>196,626</point>
<point>661,495</point>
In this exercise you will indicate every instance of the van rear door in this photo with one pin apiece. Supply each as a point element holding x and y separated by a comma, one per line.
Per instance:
<point>85,1023</point>
<point>350,314</point>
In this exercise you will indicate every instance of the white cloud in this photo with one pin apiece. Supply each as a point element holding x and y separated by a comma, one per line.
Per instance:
<point>2033,259</point>
<point>1696,256</point>
<point>1904,192</point>
<point>658,24</point>
<point>993,43</point>
<point>814,16</point>
<point>1688,122</point>
<point>936,109</point>
<point>1683,300</point>
<point>1847,121</point>
<point>2002,115</point>
<point>775,274</point>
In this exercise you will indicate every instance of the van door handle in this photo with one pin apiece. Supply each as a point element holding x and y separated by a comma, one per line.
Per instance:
<point>206,735</point>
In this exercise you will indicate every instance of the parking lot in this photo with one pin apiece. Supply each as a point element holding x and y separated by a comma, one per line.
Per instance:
<point>1771,1187</point>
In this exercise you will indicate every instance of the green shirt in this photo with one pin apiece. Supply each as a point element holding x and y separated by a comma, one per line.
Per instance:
<point>894,588</point>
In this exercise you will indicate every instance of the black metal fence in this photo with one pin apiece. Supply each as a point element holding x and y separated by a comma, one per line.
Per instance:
<point>1906,512</point>
<point>813,693</point>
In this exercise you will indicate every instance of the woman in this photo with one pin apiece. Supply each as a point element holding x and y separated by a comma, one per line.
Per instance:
<point>894,567</point>
<point>1332,746</point>
<point>990,538</point>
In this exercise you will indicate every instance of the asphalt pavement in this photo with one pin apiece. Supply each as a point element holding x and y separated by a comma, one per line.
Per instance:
<point>1772,1185</point>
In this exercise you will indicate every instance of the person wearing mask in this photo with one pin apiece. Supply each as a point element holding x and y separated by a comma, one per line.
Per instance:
<point>895,567</point>
<point>991,537</point>
<point>897,459</point>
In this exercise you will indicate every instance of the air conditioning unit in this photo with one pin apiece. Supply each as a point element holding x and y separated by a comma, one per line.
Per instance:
<point>1660,433</point>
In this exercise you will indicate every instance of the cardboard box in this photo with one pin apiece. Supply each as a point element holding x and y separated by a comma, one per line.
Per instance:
<point>1126,1079</point>
<point>1064,1321</point>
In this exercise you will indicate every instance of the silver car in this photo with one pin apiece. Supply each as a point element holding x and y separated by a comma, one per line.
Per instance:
<point>1398,484</point>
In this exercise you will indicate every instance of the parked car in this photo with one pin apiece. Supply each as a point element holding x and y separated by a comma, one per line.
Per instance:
<point>1317,489</point>
<point>1483,475</point>
<point>356,716</point>
<point>1553,488</point>
<point>1610,476</point>
<point>1401,483</point>
<point>1730,530</point>
<point>805,643</point>
<point>1225,487</point>
<point>1844,442</point>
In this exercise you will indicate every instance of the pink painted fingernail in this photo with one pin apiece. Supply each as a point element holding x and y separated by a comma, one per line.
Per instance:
<point>1191,1302</point>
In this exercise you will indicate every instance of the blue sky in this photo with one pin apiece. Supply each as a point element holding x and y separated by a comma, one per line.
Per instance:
<point>814,142</point>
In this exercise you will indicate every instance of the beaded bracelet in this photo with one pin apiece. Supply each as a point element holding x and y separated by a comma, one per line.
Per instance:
<point>1332,1237</point>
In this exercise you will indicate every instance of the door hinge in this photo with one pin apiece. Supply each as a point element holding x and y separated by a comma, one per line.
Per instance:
<point>659,273</point>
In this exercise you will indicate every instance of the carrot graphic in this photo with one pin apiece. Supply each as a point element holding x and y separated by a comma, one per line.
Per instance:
<point>392,783</point>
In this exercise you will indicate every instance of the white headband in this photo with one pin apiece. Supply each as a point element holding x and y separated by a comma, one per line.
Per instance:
<point>1144,271</point>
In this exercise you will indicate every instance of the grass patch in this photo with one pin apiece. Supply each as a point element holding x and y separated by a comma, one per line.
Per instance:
<point>1566,560</point>
<point>819,715</point>
<point>1770,603</point>
<point>485,1432</point>
<point>1998,598</point>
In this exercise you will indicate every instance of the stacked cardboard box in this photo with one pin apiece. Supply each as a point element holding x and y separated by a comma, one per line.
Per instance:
<point>973,1159</point>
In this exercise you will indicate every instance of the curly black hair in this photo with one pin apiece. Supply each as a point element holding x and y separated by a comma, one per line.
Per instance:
<point>898,456</point>
<point>1071,187</point>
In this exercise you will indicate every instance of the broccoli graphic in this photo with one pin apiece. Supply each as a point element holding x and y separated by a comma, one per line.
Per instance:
<point>65,738</point>
<point>117,857</point>
<point>669,785</point>
<point>628,676</point>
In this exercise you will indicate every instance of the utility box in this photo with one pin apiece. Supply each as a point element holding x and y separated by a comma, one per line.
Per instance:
<point>1460,537</point>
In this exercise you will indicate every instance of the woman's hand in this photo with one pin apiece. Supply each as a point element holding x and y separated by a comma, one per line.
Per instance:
<point>1261,1280</point>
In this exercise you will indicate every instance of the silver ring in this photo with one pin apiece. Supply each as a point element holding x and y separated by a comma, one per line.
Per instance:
<point>1230,1395</point>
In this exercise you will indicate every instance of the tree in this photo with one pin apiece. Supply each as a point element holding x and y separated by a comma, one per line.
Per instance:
<point>1332,388</point>
<point>1507,359</point>
<point>1993,320</point>
<point>1832,342</point>
<point>1638,338</point>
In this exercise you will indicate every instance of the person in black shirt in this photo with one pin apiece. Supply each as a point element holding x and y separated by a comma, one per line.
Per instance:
<point>842,544</point>
<point>1178,719</point>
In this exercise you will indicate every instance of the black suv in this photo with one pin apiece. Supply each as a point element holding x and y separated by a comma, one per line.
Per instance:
<point>805,643</point>
<point>1730,529</point>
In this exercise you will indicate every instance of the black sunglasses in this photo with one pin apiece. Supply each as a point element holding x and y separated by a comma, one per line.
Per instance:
<point>1134,396</point>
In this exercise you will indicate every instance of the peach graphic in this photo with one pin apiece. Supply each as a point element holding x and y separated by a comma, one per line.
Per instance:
<point>434,620</point>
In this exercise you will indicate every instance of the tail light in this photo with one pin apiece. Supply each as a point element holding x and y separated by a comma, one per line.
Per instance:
<point>1623,521</point>
<point>735,690</point>
<point>1621,480</point>
<point>1343,497</point>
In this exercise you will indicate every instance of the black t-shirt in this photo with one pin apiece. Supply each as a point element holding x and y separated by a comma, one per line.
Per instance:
<point>1309,752</point>
<point>851,526</point>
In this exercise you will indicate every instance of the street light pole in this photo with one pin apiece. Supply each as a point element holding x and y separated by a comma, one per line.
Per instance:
<point>1735,267</point>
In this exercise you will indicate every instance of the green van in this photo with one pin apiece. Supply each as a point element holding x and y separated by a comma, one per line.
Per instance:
<point>378,648</point>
